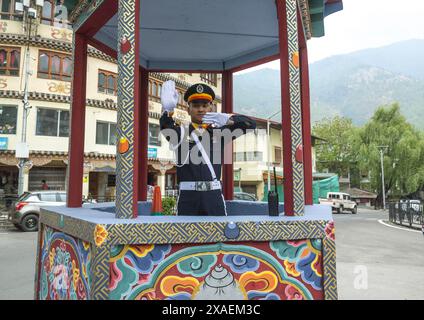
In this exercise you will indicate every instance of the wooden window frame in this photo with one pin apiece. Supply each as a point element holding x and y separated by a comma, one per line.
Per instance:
<point>59,111</point>
<point>211,78</point>
<point>278,150</point>
<point>9,50</point>
<point>51,20</point>
<point>154,88</point>
<point>14,131</point>
<point>106,87</point>
<point>109,124</point>
<point>11,14</point>
<point>50,54</point>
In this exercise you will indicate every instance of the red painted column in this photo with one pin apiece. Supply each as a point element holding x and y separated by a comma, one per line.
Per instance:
<point>143,134</point>
<point>285,108</point>
<point>306,123</point>
<point>77,122</point>
<point>227,107</point>
<point>137,137</point>
<point>306,113</point>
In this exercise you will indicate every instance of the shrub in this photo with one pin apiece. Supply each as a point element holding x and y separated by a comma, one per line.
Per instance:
<point>168,206</point>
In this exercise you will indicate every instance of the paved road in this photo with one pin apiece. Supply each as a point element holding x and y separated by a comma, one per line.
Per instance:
<point>17,264</point>
<point>374,261</point>
<point>392,259</point>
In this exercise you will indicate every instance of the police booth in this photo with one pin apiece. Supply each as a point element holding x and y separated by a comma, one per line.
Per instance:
<point>119,250</point>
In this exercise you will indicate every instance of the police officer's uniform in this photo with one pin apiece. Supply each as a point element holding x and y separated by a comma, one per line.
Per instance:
<point>200,189</point>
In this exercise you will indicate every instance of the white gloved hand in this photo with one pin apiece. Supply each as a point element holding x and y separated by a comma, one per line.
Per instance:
<point>169,96</point>
<point>216,119</point>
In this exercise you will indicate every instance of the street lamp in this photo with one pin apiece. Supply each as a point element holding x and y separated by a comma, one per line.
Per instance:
<point>268,133</point>
<point>382,148</point>
<point>22,150</point>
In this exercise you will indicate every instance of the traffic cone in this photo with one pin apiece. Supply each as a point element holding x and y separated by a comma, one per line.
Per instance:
<point>156,202</point>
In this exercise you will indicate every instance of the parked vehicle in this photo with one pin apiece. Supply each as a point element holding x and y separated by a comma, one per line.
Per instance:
<point>25,211</point>
<point>244,196</point>
<point>340,202</point>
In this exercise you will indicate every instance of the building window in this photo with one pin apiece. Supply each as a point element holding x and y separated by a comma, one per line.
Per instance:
<point>52,122</point>
<point>254,156</point>
<point>108,82</point>
<point>277,155</point>
<point>154,134</point>
<point>211,78</point>
<point>10,61</point>
<point>7,10</point>
<point>247,156</point>
<point>111,180</point>
<point>154,89</point>
<point>54,65</point>
<point>106,133</point>
<point>55,13</point>
<point>8,116</point>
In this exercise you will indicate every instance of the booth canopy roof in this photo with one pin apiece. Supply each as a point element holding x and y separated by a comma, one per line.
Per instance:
<point>208,35</point>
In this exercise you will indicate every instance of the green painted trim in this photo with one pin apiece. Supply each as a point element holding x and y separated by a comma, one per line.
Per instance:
<point>316,11</point>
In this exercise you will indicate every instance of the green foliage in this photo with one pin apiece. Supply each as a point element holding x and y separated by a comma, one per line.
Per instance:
<point>403,147</point>
<point>168,206</point>
<point>351,149</point>
<point>337,153</point>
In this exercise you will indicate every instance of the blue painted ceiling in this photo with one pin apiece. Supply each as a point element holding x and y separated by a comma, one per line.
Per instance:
<point>202,34</point>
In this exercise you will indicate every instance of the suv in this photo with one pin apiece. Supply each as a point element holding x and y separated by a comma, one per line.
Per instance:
<point>244,196</point>
<point>24,214</point>
<point>339,202</point>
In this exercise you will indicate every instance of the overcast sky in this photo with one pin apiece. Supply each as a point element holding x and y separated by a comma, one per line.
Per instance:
<point>366,24</point>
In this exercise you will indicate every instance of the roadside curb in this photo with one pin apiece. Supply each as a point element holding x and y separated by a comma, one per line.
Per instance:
<point>416,227</point>
<point>399,226</point>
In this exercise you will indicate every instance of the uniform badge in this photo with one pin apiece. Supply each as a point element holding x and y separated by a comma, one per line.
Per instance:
<point>199,88</point>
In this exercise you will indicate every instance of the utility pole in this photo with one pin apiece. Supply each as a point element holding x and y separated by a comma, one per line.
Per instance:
<point>22,150</point>
<point>382,148</point>
<point>268,133</point>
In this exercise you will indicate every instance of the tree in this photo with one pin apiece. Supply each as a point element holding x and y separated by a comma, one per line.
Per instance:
<point>337,153</point>
<point>403,159</point>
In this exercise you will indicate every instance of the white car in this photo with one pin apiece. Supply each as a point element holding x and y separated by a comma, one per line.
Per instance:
<point>340,202</point>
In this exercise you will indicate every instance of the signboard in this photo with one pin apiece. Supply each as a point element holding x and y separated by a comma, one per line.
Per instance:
<point>3,143</point>
<point>152,153</point>
<point>237,175</point>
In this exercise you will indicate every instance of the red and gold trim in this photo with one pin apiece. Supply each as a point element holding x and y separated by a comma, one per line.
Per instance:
<point>200,96</point>
<point>201,125</point>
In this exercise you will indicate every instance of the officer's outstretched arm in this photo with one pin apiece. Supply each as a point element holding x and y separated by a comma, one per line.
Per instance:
<point>238,125</point>
<point>238,121</point>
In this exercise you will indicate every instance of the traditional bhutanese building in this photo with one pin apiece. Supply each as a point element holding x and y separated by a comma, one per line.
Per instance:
<point>48,38</point>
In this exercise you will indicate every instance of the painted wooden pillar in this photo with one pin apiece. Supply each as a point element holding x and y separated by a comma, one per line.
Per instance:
<point>227,107</point>
<point>143,134</point>
<point>77,123</point>
<point>291,108</point>
<point>306,112</point>
<point>306,121</point>
<point>127,156</point>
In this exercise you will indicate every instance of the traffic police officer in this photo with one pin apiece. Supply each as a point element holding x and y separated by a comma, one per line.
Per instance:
<point>200,190</point>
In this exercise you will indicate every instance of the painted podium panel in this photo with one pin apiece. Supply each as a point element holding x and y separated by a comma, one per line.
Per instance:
<point>278,270</point>
<point>86,253</point>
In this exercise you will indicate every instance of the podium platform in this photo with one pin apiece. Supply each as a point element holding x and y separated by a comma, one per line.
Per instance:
<point>86,253</point>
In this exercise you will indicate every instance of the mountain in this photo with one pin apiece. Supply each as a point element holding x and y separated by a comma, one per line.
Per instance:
<point>351,85</point>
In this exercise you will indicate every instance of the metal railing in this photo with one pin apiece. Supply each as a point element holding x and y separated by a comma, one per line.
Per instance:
<point>407,213</point>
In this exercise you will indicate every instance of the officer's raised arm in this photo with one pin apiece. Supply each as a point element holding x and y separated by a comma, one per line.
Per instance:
<point>169,99</point>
